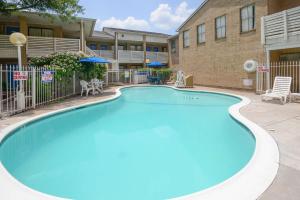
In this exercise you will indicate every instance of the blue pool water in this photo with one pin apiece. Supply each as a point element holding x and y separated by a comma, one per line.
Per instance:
<point>151,143</point>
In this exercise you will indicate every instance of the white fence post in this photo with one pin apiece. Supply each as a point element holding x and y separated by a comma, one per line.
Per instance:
<point>269,69</point>
<point>33,87</point>
<point>74,83</point>
<point>106,78</point>
<point>130,72</point>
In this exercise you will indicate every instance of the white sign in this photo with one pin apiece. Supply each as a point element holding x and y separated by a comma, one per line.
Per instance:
<point>20,75</point>
<point>263,69</point>
<point>47,76</point>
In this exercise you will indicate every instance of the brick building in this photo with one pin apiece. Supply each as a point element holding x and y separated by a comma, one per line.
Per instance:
<point>217,39</point>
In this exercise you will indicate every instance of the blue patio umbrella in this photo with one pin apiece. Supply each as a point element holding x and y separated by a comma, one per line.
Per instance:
<point>156,64</point>
<point>94,60</point>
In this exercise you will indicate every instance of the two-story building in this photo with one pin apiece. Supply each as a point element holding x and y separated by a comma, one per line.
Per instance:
<point>47,35</point>
<point>217,39</point>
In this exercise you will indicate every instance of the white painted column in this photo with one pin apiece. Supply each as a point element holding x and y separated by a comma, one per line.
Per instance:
<point>82,38</point>
<point>145,50</point>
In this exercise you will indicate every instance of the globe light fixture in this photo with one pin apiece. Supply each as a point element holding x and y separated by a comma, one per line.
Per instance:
<point>18,40</point>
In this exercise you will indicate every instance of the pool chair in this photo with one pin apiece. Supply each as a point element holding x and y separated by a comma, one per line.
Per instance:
<point>97,86</point>
<point>180,81</point>
<point>281,90</point>
<point>85,86</point>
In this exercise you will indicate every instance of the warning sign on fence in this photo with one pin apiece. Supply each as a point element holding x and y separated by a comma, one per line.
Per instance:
<point>20,75</point>
<point>263,69</point>
<point>47,76</point>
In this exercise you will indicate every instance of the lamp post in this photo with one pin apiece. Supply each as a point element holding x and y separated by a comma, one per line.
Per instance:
<point>18,40</point>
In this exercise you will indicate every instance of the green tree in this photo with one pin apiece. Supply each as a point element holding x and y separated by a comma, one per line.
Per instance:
<point>65,9</point>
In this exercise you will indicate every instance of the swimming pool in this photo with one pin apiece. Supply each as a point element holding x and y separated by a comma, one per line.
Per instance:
<point>150,143</point>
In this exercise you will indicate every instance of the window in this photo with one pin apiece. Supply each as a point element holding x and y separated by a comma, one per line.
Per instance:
<point>201,33</point>
<point>11,29</point>
<point>173,46</point>
<point>40,32</point>
<point>93,46</point>
<point>221,27</point>
<point>139,48</point>
<point>148,49</point>
<point>248,18</point>
<point>103,47</point>
<point>186,39</point>
<point>155,49</point>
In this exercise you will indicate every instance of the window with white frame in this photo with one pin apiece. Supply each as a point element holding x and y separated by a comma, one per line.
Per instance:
<point>186,39</point>
<point>221,27</point>
<point>248,18</point>
<point>201,33</point>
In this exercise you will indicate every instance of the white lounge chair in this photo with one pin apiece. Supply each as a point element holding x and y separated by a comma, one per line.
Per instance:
<point>180,81</point>
<point>281,90</point>
<point>98,85</point>
<point>85,86</point>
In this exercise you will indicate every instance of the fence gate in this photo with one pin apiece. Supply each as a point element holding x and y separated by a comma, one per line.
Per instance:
<point>284,68</point>
<point>24,88</point>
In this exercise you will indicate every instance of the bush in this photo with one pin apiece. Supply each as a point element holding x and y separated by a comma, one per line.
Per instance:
<point>164,74</point>
<point>67,63</point>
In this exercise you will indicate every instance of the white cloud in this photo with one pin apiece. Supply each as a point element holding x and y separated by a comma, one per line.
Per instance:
<point>128,23</point>
<point>165,18</point>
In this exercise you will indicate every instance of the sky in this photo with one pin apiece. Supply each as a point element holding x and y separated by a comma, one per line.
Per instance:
<point>163,16</point>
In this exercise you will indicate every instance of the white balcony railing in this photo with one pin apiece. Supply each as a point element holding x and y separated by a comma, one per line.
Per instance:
<point>131,56</point>
<point>7,50</point>
<point>158,56</point>
<point>40,46</point>
<point>138,56</point>
<point>282,29</point>
<point>105,54</point>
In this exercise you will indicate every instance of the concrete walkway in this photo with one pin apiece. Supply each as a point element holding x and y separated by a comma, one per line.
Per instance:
<point>281,121</point>
<point>283,124</point>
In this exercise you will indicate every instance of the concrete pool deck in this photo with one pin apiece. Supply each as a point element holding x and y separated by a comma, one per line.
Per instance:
<point>281,121</point>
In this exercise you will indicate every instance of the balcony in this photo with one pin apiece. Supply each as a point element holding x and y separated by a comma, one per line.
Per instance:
<point>158,56</point>
<point>7,50</point>
<point>138,56</point>
<point>108,54</point>
<point>281,30</point>
<point>131,56</point>
<point>38,46</point>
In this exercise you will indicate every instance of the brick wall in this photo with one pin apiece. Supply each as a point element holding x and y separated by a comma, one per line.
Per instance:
<point>220,62</point>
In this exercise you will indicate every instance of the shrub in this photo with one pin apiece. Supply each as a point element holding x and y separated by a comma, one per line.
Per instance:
<point>164,74</point>
<point>65,63</point>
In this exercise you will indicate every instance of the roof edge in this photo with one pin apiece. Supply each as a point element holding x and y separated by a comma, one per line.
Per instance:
<point>192,15</point>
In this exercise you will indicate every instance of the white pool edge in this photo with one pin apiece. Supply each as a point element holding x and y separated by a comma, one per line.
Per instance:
<point>248,184</point>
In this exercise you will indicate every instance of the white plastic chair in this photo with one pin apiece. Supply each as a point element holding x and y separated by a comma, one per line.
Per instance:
<point>97,85</point>
<point>180,81</point>
<point>281,89</point>
<point>85,86</point>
